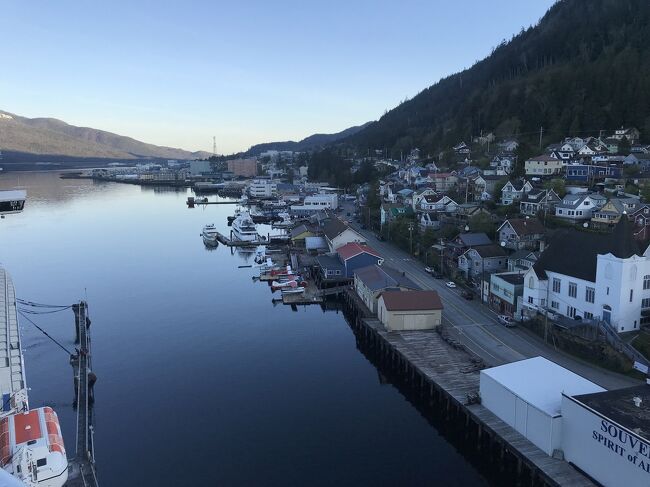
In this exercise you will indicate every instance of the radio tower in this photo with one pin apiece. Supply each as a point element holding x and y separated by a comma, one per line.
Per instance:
<point>214,146</point>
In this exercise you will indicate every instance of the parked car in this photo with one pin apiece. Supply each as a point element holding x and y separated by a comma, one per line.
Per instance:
<point>429,270</point>
<point>450,284</point>
<point>468,295</point>
<point>506,321</point>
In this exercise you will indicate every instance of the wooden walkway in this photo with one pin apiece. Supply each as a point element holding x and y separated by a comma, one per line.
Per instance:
<point>431,362</point>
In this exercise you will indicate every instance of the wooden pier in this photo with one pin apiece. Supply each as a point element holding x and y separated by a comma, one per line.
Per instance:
<point>443,381</point>
<point>82,467</point>
<point>230,242</point>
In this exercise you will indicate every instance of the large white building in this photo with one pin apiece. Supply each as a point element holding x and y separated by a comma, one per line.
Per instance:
<point>592,275</point>
<point>320,201</point>
<point>263,188</point>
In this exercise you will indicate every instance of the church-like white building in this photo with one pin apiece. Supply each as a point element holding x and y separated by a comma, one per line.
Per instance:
<point>591,275</point>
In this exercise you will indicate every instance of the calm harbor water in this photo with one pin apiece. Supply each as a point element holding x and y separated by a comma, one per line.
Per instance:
<point>201,380</point>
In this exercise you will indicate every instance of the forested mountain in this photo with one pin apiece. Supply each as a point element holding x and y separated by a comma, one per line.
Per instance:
<point>46,139</point>
<point>312,142</point>
<point>584,67</point>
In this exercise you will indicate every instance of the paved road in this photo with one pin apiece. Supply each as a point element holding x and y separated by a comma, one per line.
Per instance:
<point>476,326</point>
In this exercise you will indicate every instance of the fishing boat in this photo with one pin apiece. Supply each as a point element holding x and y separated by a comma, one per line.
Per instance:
<point>285,221</point>
<point>209,235</point>
<point>244,229</point>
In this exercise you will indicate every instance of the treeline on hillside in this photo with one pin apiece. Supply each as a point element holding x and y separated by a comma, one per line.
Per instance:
<point>331,167</point>
<point>583,68</point>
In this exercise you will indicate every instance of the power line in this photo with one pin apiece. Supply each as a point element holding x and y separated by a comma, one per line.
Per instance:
<point>45,333</point>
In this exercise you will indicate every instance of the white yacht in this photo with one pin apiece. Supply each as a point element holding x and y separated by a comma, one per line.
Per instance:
<point>244,229</point>
<point>209,235</point>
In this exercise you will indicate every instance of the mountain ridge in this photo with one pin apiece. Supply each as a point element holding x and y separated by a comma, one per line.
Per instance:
<point>46,138</point>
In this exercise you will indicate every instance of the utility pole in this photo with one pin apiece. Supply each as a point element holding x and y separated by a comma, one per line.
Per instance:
<point>541,131</point>
<point>411,237</point>
<point>442,257</point>
<point>214,145</point>
<point>548,283</point>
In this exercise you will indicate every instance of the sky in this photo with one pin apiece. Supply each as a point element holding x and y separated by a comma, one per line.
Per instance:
<point>177,73</point>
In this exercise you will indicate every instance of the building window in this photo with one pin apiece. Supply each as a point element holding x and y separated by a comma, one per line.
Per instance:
<point>588,315</point>
<point>631,294</point>
<point>573,289</point>
<point>645,303</point>
<point>570,311</point>
<point>530,299</point>
<point>556,285</point>
<point>646,281</point>
<point>590,293</point>
<point>555,305</point>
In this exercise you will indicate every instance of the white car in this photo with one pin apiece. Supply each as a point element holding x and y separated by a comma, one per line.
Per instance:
<point>428,270</point>
<point>506,321</point>
<point>450,284</point>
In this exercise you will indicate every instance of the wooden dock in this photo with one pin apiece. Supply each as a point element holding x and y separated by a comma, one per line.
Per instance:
<point>239,243</point>
<point>446,379</point>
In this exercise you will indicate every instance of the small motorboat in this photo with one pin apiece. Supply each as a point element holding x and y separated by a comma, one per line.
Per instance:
<point>209,235</point>
<point>293,290</point>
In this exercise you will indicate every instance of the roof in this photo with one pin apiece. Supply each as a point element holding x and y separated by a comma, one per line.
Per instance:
<point>522,254</point>
<point>334,227</point>
<point>619,406</point>
<point>411,300</point>
<point>474,239</point>
<point>353,249</point>
<point>329,262</point>
<point>560,256</point>
<point>314,243</point>
<point>545,158</point>
<point>13,195</point>
<point>518,184</point>
<point>525,226</point>
<point>540,382</point>
<point>300,229</point>
<point>516,278</point>
<point>377,277</point>
<point>487,251</point>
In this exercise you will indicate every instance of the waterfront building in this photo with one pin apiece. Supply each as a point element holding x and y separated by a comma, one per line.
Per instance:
<point>263,188</point>
<point>337,233</point>
<point>354,256</point>
<point>371,281</point>
<point>527,395</point>
<point>317,202</point>
<point>200,167</point>
<point>410,310</point>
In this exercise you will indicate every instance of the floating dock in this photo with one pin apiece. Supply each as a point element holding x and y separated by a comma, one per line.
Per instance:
<point>444,380</point>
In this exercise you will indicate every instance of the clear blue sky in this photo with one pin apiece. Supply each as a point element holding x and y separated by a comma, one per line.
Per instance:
<point>178,72</point>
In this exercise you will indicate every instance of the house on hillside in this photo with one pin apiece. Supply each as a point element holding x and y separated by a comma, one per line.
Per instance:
<point>438,203</point>
<point>371,281</point>
<point>544,165</point>
<point>443,181</point>
<point>522,260</point>
<point>418,196</point>
<point>514,191</point>
<point>579,207</point>
<point>461,148</point>
<point>632,134</point>
<point>641,219</point>
<point>609,282</point>
<point>505,289</point>
<point>521,233</point>
<point>485,258</point>
<point>612,211</point>
<point>389,212</point>
<point>539,200</point>
<point>337,234</point>
<point>509,146</point>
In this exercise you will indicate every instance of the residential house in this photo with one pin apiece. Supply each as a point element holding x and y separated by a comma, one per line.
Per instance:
<point>338,234</point>
<point>610,281</point>
<point>438,203</point>
<point>514,191</point>
<point>505,289</point>
<point>641,219</point>
<point>371,281</point>
<point>612,211</point>
<point>631,133</point>
<point>443,181</point>
<point>566,151</point>
<point>475,239</point>
<point>409,310</point>
<point>485,258</point>
<point>503,164</point>
<point>521,233</point>
<point>299,233</point>
<point>461,149</point>
<point>405,195</point>
<point>539,200</point>
<point>544,165</point>
<point>578,207</point>
<point>330,269</point>
<point>418,196</point>
<point>508,145</point>
<point>389,212</point>
<point>522,260</point>
<point>590,173</point>
<point>429,221</point>
<point>354,256</point>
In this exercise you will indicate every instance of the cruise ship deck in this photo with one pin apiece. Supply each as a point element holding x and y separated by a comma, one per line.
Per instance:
<point>12,372</point>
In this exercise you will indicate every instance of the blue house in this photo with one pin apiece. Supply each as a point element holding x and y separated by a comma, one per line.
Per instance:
<point>355,256</point>
<point>584,173</point>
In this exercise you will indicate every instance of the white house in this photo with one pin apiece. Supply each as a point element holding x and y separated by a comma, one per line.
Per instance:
<point>514,190</point>
<point>338,234</point>
<point>588,275</point>
<point>577,207</point>
<point>418,196</point>
<point>316,202</point>
<point>438,204</point>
